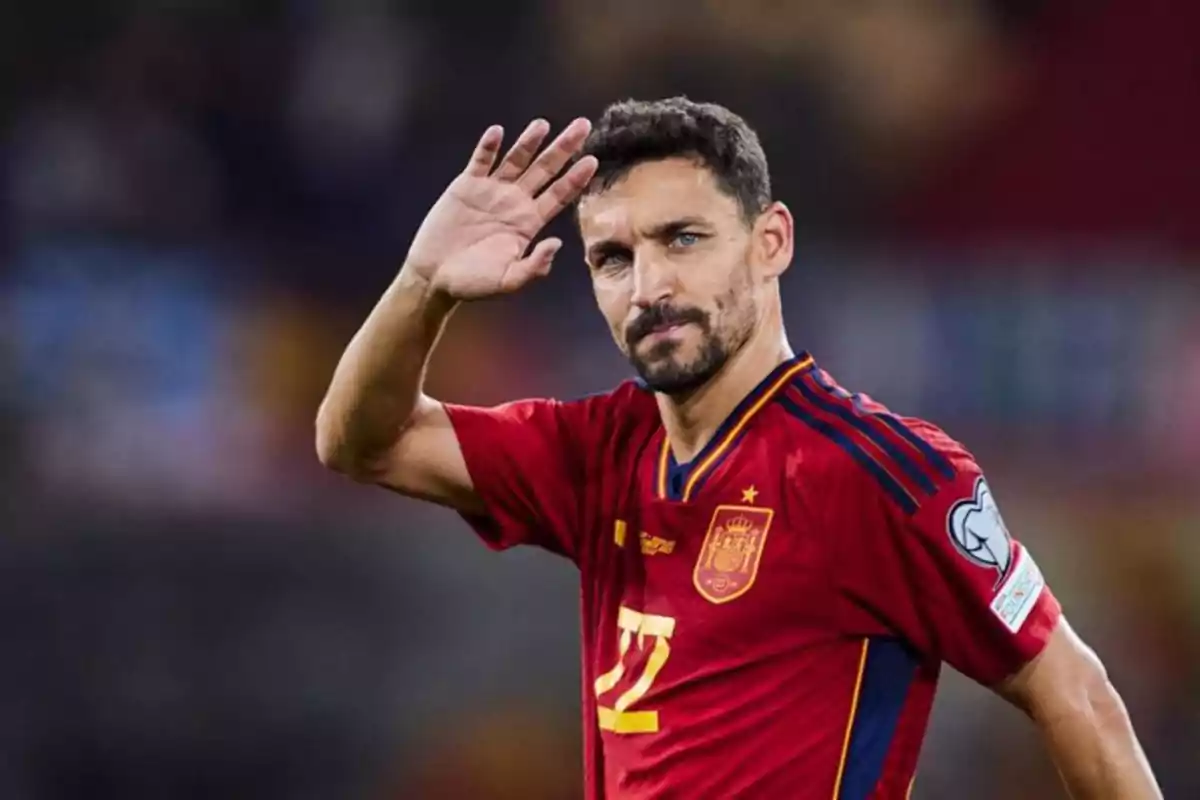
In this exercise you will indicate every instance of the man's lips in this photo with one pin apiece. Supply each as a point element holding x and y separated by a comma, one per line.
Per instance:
<point>659,332</point>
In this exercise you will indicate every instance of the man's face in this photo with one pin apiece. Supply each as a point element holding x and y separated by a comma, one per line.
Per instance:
<point>672,264</point>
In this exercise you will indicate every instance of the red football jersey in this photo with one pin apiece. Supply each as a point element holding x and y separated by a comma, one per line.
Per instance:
<point>769,620</point>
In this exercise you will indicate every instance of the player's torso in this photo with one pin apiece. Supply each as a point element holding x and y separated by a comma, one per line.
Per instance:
<point>712,640</point>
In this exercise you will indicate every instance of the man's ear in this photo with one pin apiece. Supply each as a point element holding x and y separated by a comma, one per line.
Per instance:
<point>774,239</point>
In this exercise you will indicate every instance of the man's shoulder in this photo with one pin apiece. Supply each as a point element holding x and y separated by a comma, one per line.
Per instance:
<point>627,394</point>
<point>578,421</point>
<point>621,410</point>
<point>858,445</point>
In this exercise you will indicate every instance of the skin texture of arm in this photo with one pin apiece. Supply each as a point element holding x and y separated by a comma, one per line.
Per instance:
<point>375,424</point>
<point>1067,693</point>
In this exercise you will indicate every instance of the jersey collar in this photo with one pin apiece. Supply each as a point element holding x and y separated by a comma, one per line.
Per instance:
<point>680,482</point>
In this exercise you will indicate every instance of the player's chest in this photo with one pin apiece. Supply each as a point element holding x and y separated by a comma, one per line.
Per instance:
<point>731,539</point>
<point>731,566</point>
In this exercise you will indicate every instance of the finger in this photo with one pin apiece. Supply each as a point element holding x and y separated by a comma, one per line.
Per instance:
<point>523,150</point>
<point>535,265</point>
<point>566,189</point>
<point>555,156</point>
<point>485,152</point>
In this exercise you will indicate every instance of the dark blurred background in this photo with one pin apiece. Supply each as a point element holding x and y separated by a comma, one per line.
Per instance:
<point>1000,230</point>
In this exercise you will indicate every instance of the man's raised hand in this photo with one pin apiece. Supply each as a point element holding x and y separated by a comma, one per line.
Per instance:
<point>474,240</point>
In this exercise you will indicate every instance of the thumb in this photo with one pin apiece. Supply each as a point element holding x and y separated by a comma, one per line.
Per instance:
<point>535,265</point>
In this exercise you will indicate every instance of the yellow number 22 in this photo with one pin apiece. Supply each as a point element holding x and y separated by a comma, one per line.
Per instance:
<point>618,718</point>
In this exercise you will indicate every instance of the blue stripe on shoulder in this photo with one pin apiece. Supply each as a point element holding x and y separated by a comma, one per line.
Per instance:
<point>935,459</point>
<point>889,484</point>
<point>858,423</point>
<point>887,677</point>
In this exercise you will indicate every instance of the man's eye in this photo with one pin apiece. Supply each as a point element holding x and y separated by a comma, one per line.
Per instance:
<point>687,239</point>
<point>609,260</point>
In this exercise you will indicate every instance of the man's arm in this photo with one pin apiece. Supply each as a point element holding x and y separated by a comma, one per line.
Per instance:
<point>375,414</point>
<point>375,423</point>
<point>951,580</point>
<point>1065,690</point>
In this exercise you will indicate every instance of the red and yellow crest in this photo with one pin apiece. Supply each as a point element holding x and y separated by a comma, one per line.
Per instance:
<point>731,552</point>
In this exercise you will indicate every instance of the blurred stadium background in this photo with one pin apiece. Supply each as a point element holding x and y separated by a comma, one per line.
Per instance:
<point>1000,229</point>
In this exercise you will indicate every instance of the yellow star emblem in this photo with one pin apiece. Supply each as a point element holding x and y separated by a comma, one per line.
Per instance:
<point>749,494</point>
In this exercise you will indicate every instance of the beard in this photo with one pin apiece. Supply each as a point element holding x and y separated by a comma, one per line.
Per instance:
<point>664,372</point>
<point>662,368</point>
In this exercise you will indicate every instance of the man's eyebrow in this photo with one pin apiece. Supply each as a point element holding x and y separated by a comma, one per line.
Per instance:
<point>605,247</point>
<point>667,229</point>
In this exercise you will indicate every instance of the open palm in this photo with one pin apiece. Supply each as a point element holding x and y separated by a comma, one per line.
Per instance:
<point>474,241</point>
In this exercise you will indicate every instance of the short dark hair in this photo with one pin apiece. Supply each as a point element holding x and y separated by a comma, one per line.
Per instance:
<point>633,132</point>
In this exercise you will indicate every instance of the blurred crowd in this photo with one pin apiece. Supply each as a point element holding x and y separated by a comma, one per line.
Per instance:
<point>999,210</point>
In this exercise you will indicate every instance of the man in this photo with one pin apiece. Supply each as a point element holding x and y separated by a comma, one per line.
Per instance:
<point>772,568</point>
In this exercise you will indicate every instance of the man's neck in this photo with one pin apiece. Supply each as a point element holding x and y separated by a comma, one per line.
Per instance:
<point>693,421</point>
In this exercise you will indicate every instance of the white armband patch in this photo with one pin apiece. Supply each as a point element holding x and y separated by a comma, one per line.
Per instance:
<point>1020,592</point>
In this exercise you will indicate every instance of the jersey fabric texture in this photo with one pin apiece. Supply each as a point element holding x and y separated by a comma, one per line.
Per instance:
<point>769,619</point>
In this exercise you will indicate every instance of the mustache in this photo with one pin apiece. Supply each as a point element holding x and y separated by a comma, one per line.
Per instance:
<point>662,317</point>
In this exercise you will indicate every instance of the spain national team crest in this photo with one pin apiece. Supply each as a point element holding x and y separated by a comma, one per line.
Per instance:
<point>731,553</point>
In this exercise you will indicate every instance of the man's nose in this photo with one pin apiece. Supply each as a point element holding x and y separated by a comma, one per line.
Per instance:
<point>653,280</point>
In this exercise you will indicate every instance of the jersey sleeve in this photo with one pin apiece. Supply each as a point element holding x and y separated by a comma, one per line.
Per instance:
<point>527,463</point>
<point>934,562</point>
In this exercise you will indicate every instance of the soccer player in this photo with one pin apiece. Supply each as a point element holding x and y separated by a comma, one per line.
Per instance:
<point>772,568</point>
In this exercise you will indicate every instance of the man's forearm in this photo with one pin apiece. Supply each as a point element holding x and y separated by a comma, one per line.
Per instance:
<point>1096,750</point>
<point>377,384</point>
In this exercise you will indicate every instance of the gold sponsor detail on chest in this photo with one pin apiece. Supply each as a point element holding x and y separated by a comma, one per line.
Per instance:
<point>655,545</point>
